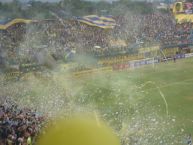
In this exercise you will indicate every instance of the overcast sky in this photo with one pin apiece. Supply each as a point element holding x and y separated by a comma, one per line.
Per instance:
<point>52,0</point>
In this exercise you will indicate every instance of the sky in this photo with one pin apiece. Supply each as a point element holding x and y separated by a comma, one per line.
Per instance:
<point>53,0</point>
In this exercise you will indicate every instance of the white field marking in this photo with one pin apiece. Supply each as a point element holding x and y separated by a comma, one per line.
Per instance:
<point>163,97</point>
<point>160,92</point>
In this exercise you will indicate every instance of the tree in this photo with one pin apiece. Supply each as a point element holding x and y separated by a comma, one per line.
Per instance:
<point>1,5</point>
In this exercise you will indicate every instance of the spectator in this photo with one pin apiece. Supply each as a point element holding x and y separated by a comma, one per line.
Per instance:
<point>18,126</point>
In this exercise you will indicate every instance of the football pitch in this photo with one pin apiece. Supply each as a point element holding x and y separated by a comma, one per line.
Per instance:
<point>150,105</point>
<point>154,103</point>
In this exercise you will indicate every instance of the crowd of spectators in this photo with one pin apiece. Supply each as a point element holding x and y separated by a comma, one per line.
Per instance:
<point>78,36</point>
<point>61,37</point>
<point>18,126</point>
<point>155,28</point>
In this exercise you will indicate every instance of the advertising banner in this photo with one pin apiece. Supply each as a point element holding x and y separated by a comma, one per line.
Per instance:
<point>122,66</point>
<point>180,56</point>
<point>138,63</point>
<point>188,55</point>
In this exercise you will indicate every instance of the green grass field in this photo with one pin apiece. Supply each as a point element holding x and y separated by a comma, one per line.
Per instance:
<point>145,106</point>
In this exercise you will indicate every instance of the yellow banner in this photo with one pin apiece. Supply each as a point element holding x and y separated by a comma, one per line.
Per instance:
<point>148,49</point>
<point>180,18</point>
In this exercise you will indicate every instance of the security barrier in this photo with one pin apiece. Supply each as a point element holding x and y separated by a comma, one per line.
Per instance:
<point>128,65</point>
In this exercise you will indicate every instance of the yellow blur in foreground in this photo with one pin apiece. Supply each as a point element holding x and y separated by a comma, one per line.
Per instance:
<point>79,131</point>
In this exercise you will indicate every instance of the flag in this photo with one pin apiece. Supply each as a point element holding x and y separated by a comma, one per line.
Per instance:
<point>105,22</point>
<point>6,24</point>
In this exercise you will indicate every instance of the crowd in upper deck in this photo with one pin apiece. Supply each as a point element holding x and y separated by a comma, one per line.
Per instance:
<point>64,37</point>
<point>156,28</point>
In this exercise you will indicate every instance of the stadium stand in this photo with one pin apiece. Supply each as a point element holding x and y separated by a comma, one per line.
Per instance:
<point>18,125</point>
<point>100,37</point>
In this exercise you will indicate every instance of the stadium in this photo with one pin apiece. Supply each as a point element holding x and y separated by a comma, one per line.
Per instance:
<point>123,69</point>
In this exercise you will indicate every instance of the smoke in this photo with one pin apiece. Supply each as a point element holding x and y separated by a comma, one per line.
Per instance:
<point>109,96</point>
<point>57,92</point>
